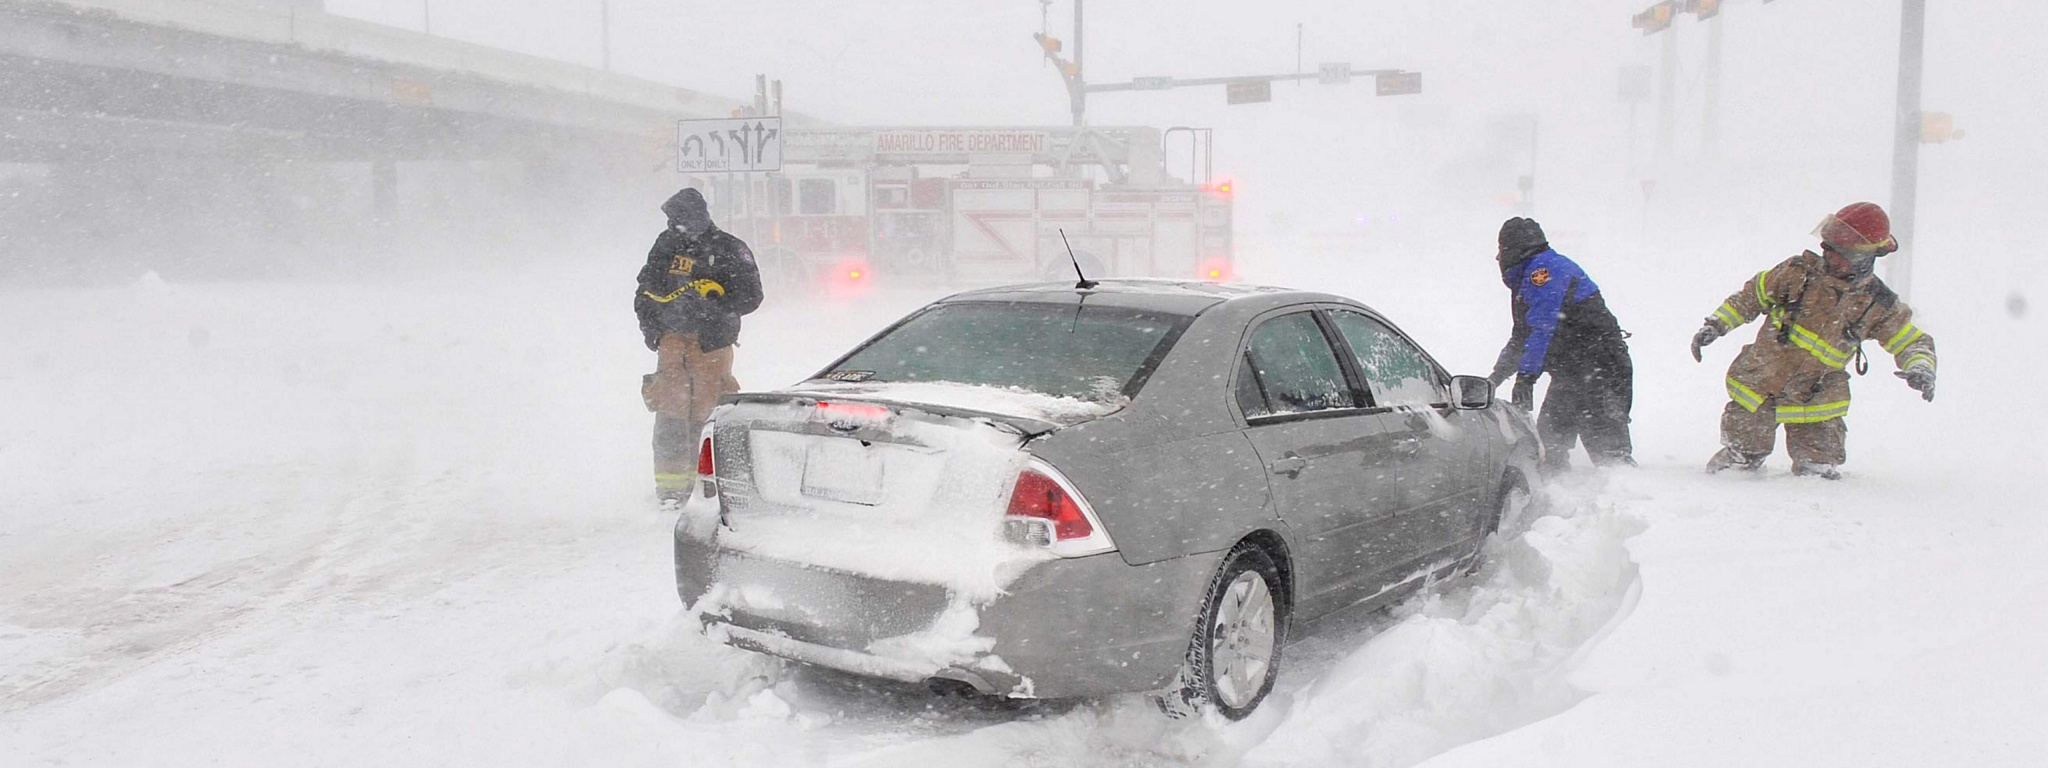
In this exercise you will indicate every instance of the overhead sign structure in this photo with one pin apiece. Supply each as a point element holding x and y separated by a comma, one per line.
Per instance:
<point>1248,92</point>
<point>731,145</point>
<point>1398,83</point>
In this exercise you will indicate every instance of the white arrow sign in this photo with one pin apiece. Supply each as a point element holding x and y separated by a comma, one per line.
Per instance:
<point>732,145</point>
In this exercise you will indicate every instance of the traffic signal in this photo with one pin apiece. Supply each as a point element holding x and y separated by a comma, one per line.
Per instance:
<point>1049,43</point>
<point>1938,128</point>
<point>1704,9</point>
<point>1656,18</point>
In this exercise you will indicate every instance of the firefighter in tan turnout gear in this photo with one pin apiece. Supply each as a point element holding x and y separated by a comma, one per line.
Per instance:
<point>1821,308</point>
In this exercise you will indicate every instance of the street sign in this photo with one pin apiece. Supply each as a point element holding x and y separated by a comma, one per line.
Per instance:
<point>1247,91</point>
<point>732,145</point>
<point>1398,83</point>
<point>1334,73</point>
<point>1151,83</point>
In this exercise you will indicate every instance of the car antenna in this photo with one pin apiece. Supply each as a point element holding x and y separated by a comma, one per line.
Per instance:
<point>1085,283</point>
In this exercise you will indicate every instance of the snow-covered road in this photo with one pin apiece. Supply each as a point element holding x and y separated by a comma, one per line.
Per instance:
<point>408,524</point>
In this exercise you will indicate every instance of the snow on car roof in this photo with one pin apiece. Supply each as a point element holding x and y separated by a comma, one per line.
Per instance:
<point>1179,296</point>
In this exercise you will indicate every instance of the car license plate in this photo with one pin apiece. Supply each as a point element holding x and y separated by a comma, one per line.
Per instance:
<point>841,469</point>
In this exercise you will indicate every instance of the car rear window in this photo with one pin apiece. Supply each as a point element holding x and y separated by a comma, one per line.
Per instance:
<point>1090,353</point>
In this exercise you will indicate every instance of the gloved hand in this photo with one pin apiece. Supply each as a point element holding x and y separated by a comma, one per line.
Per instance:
<point>1524,395</point>
<point>1921,379</point>
<point>1706,335</point>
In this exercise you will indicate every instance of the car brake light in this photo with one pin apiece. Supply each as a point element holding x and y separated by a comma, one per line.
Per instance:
<point>1040,497</point>
<point>704,465</point>
<point>861,411</point>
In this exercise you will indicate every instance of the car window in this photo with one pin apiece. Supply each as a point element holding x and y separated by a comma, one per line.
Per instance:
<point>1087,352</point>
<point>1395,371</point>
<point>1295,369</point>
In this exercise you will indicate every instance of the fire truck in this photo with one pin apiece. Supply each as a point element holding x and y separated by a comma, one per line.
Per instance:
<point>978,206</point>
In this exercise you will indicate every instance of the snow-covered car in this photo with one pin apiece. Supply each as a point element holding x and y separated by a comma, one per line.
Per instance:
<point>1053,491</point>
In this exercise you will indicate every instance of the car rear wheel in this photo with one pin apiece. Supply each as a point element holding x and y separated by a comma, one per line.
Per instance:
<point>1234,656</point>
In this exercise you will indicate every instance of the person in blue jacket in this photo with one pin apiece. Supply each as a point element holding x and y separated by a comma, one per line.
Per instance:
<point>1563,328</point>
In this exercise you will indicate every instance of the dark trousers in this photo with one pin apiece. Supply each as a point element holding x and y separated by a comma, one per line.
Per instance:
<point>1589,401</point>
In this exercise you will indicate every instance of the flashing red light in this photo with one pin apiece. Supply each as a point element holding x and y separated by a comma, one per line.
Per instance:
<point>849,278</point>
<point>1041,497</point>
<point>1216,270</point>
<point>1222,188</point>
<point>861,411</point>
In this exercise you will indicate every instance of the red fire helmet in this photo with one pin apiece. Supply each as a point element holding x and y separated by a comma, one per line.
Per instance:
<point>1859,228</point>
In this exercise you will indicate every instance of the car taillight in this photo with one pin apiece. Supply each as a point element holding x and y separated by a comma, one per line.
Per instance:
<point>704,466</point>
<point>1037,496</point>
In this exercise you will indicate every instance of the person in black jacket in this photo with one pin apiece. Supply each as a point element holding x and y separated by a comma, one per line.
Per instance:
<point>696,284</point>
<point>1563,327</point>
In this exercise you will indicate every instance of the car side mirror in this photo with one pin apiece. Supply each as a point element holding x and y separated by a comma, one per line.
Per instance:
<point>1471,393</point>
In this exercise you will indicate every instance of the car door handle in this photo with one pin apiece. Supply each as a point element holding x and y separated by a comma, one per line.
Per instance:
<point>1291,466</point>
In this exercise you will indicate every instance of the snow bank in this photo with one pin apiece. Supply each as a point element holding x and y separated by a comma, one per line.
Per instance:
<point>1464,664</point>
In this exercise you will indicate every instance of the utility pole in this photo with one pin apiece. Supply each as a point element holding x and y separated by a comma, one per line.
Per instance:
<point>604,21</point>
<point>1078,83</point>
<point>1906,142</point>
<point>1710,113</point>
<point>1667,98</point>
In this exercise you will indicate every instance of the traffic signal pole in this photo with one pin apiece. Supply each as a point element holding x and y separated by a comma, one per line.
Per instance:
<point>1388,82</point>
<point>1906,143</point>
<point>1079,86</point>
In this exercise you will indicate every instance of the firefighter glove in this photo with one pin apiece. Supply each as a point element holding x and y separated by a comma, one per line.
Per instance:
<point>1919,378</point>
<point>1706,335</point>
<point>1524,393</point>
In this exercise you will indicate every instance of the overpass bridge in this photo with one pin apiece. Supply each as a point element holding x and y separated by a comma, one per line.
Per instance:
<point>209,107</point>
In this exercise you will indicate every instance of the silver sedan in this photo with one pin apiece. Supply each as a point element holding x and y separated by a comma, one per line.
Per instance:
<point>1052,491</point>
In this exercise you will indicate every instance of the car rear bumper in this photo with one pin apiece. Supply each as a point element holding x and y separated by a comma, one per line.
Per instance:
<point>1071,627</point>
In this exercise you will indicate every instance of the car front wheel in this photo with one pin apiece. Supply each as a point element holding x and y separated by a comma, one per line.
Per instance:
<point>1234,656</point>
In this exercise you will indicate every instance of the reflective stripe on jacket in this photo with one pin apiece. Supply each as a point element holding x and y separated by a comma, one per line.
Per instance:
<point>1816,324</point>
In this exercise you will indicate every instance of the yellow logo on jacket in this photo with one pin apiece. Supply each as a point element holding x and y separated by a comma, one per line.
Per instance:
<point>681,265</point>
<point>1540,278</point>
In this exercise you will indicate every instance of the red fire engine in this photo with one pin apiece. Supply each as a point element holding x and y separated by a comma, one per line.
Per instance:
<point>978,206</point>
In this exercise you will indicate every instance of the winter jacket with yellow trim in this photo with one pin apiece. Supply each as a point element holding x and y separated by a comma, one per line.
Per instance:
<point>1817,323</point>
<point>697,285</point>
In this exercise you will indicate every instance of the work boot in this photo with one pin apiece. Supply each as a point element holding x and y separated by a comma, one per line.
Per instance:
<point>1729,458</point>
<point>1816,469</point>
<point>1613,460</point>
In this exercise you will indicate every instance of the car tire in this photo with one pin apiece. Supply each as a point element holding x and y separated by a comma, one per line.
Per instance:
<point>1513,498</point>
<point>1234,656</point>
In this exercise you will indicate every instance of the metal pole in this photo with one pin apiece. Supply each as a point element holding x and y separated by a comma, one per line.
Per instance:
<point>1710,113</point>
<point>1080,94</point>
<point>1297,52</point>
<point>427,17</point>
<point>1906,143</point>
<point>1667,96</point>
<point>604,21</point>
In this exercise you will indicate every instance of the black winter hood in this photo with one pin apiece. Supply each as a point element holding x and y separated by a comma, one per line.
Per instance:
<point>686,209</point>
<point>1520,239</point>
